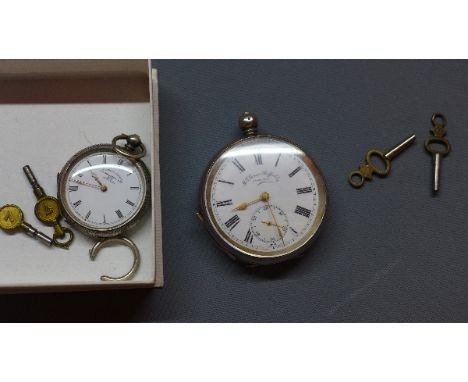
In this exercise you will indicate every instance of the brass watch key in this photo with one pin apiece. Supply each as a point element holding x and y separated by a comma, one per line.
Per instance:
<point>437,145</point>
<point>12,219</point>
<point>47,210</point>
<point>365,172</point>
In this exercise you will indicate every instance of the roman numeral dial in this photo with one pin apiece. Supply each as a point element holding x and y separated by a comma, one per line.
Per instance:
<point>232,222</point>
<point>302,211</point>
<point>238,165</point>
<point>261,198</point>
<point>224,203</point>
<point>104,190</point>
<point>294,172</point>
<point>249,237</point>
<point>303,190</point>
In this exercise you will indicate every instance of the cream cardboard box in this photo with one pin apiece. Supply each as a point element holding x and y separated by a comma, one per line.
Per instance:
<point>49,110</point>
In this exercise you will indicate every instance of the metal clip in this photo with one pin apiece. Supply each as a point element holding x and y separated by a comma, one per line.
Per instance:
<point>133,148</point>
<point>93,252</point>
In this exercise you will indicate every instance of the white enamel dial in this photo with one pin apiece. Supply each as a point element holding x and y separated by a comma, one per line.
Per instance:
<point>104,190</point>
<point>265,197</point>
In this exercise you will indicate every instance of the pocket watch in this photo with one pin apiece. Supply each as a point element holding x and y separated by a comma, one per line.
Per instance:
<point>104,190</point>
<point>262,198</point>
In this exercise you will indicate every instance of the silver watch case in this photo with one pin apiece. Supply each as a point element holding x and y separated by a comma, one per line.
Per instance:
<point>246,256</point>
<point>102,233</point>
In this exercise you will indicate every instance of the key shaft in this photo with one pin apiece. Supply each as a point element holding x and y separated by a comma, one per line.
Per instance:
<point>38,190</point>
<point>36,234</point>
<point>437,160</point>
<point>396,150</point>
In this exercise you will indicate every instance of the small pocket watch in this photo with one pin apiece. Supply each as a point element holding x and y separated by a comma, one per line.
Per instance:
<point>263,198</point>
<point>104,191</point>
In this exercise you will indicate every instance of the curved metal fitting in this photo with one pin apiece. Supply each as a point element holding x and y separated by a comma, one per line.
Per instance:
<point>63,241</point>
<point>93,252</point>
<point>134,148</point>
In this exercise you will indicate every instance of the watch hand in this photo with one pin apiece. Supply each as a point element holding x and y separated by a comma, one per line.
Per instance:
<point>264,196</point>
<point>276,223</point>
<point>103,187</point>
<point>85,184</point>
<point>271,223</point>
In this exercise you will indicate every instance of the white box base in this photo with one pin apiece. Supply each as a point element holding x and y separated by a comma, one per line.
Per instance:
<point>45,136</point>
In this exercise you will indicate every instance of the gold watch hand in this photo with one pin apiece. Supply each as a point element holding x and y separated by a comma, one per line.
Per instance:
<point>271,223</point>
<point>276,223</point>
<point>264,196</point>
<point>103,187</point>
<point>85,184</point>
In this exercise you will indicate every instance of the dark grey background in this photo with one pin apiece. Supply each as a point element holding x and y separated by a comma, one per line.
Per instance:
<point>387,252</point>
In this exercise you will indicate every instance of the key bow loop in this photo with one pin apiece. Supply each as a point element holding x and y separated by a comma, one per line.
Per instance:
<point>133,148</point>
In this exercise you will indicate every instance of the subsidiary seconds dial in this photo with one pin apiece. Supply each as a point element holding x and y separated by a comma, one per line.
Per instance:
<point>261,223</point>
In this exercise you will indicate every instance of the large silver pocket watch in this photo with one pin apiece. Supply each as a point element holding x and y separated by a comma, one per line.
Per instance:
<point>104,190</point>
<point>262,198</point>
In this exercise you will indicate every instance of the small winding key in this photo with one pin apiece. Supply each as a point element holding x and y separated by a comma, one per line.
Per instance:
<point>12,219</point>
<point>365,172</point>
<point>47,210</point>
<point>437,145</point>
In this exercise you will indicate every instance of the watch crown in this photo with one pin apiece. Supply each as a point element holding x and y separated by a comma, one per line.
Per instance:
<point>133,140</point>
<point>248,124</point>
